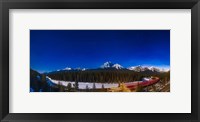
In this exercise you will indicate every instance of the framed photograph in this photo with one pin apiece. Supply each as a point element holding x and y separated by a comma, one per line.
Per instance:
<point>95,60</point>
<point>89,48</point>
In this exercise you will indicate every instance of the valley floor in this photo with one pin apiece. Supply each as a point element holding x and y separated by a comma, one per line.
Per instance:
<point>157,87</point>
<point>83,85</point>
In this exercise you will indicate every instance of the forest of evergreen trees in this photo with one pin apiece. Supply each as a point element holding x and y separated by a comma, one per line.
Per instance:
<point>38,82</point>
<point>106,76</point>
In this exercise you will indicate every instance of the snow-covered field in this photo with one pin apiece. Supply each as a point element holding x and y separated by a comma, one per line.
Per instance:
<point>83,85</point>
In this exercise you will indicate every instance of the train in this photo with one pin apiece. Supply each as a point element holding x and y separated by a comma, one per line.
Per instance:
<point>127,87</point>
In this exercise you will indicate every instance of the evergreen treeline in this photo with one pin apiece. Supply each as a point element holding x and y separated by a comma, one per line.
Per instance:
<point>106,76</point>
<point>38,83</point>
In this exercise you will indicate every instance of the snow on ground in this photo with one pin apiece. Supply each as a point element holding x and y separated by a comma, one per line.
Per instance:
<point>50,81</point>
<point>82,85</point>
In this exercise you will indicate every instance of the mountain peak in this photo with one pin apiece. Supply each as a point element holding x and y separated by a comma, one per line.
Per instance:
<point>117,66</point>
<point>110,65</point>
<point>67,68</point>
<point>154,69</point>
<point>140,68</point>
<point>107,64</point>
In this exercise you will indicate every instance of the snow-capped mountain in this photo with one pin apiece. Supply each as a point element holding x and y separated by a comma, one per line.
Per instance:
<point>83,69</point>
<point>80,69</point>
<point>71,69</point>
<point>109,64</point>
<point>154,69</point>
<point>117,66</point>
<point>146,68</point>
<point>136,68</point>
<point>164,70</point>
<point>67,68</point>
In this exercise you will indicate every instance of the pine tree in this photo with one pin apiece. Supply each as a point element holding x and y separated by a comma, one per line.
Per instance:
<point>87,88</point>
<point>94,87</point>
<point>44,86</point>
<point>102,86</point>
<point>69,87</point>
<point>76,86</point>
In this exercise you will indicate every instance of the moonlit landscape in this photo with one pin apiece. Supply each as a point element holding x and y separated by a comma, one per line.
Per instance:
<point>100,60</point>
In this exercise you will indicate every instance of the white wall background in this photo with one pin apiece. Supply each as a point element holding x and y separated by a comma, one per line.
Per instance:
<point>176,101</point>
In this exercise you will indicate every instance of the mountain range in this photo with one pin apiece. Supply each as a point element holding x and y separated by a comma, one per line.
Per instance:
<point>110,65</point>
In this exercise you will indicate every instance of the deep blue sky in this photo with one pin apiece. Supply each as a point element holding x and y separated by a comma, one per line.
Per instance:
<point>57,49</point>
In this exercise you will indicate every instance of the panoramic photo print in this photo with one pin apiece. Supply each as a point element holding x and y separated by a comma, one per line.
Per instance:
<point>99,60</point>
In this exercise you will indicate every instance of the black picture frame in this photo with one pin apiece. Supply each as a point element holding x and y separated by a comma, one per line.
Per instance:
<point>5,5</point>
